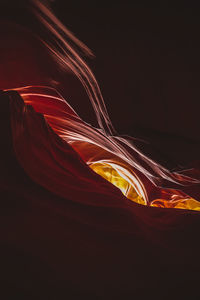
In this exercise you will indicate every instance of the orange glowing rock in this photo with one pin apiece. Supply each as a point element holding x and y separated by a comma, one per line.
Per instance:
<point>122,179</point>
<point>187,203</point>
<point>132,188</point>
